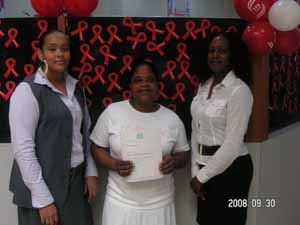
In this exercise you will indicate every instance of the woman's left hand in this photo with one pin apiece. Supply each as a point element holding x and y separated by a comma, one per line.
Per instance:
<point>91,187</point>
<point>168,164</point>
<point>198,188</point>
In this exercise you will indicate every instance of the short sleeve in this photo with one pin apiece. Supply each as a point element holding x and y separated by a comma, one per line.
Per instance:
<point>181,140</point>
<point>100,133</point>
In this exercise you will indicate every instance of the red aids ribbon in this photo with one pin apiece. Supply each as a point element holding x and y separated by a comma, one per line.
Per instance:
<point>89,103</point>
<point>195,82</point>
<point>290,110</point>
<point>126,95</point>
<point>85,50</point>
<point>35,49</point>
<point>81,26</point>
<point>139,38</point>
<point>85,68</point>
<point>180,87</point>
<point>190,28</point>
<point>215,28</point>
<point>232,29</point>
<point>28,69</point>
<point>97,30</point>
<point>10,64</point>
<point>161,90</point>
<point>204,26</point>
<point>43,26</point>
<point>128,22</point>
<point>1,32</point>
<point>113,30</point>
<point>284,104</point>
<point>295,105</point>
<point>99,70</point>
<point>153,47</point>
<point>151,26</point>
<point>127,60</point>
<point>86,81</point>
<point>274,106</point>
<point>12,35</point>
<point>171,66</point>
<point>181,48</point>
<point>105,51</point>
<point>184,66</point>
<point>106,101</point>
<point>170,27</point>
<point>10,87</point>
<point>172,107</point>
<point>113,78</point>
<point>148,60</point>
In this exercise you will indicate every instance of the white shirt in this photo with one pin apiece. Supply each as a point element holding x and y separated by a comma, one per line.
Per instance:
<point>107,133</point>
<point>221,120</point>
<point>23,119</point>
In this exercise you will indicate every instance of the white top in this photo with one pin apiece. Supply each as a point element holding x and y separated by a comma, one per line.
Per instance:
<point>106,134</point>
<point>220,120</point>
<point>23,120</point>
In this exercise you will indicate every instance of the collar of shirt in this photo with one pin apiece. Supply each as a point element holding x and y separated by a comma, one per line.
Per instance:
<point>40,78</point>
<point>226,82</point>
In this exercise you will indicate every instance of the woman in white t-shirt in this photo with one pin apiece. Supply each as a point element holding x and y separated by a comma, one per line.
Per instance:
<point>146,200</point>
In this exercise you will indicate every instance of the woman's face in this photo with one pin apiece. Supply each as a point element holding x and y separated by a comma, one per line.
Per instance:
<point>56,52</point>
<point>143,85</point>
<point>219,55</point>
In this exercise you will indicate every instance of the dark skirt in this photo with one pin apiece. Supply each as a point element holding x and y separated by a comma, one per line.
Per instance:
<point>75,211</point>
<point>226,195</point>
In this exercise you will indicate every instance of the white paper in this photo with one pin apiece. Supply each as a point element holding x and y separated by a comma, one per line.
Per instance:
<point>142,147</point>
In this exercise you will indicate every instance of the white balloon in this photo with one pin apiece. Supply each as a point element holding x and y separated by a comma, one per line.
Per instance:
<point>284,15</point>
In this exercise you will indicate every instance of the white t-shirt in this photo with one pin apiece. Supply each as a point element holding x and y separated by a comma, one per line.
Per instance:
<point>107,134</point>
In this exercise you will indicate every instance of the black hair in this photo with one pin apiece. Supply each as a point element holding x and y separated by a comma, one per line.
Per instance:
<point>141,62</point>
<point>239,56</point>
<point>45,35</point>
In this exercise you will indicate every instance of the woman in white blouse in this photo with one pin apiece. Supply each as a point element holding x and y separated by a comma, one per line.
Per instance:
<point>221,165</point>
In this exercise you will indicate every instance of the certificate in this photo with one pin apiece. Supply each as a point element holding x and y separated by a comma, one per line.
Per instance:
<point>142,147</point>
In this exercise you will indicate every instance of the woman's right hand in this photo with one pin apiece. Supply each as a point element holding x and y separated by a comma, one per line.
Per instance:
<point>123,168</point>
<point>49,215</point>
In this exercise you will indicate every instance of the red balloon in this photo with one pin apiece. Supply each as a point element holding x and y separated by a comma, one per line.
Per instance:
<point>259,37</point>
<point>80,7</point>
<point>48,7</point>
<point>287,41</point>
<point>253,10</point>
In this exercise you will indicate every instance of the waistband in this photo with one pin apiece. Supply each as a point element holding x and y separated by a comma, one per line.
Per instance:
<point>208,150</point>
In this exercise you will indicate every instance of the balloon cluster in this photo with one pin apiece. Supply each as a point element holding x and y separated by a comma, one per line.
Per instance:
<point>273,25</point>
<point>56,7</point>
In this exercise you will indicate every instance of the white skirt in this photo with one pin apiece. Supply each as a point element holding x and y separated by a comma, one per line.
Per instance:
<point>118,214</point>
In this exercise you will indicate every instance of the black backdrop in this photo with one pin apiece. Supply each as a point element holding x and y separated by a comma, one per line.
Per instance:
<point>18,39</point>
<point>102,49</point>
<point>106,46</point>
<point>284,90</point>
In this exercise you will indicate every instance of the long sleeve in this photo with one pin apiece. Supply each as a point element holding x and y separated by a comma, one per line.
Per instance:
<point>23,120</point>
<point>195,154</point>
<point>238,112</point>
<point>91,169</point>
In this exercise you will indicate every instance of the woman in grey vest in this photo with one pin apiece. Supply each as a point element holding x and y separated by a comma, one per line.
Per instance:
<point>53,174</point>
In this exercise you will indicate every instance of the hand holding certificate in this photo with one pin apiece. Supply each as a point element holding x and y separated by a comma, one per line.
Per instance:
<point>142,147</point>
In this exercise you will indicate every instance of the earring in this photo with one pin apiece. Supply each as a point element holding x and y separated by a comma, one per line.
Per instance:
<point>45,66</point>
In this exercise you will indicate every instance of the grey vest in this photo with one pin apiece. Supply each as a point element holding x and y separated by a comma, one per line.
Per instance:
<point>53,145</point>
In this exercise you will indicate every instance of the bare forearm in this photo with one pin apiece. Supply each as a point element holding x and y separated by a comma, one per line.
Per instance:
<point>181,158</point>
<point>102,156</point>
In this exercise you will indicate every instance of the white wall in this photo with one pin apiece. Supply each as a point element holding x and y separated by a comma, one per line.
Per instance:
<point>199,8</point>
<point>279,177</point>
<point>7,209</point>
